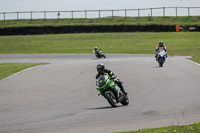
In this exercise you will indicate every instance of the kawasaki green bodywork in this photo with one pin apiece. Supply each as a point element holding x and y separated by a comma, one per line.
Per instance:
<point>111,91</point>
<point>104,84</point>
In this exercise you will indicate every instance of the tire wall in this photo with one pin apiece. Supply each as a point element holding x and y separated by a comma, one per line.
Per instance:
<point>37,30</point>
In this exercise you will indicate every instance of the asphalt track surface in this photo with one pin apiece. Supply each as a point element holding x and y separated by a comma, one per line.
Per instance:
<point>61,97</point>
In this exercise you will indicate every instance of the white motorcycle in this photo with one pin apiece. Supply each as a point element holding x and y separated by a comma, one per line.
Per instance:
<point>161,57</point>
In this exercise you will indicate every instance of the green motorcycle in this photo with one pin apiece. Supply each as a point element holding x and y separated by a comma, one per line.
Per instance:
<point>111,91</point>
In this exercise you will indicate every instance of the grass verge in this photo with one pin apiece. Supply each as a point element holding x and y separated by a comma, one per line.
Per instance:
<point>182,20</point>
<point>7,69</point>
<point>191,128</point>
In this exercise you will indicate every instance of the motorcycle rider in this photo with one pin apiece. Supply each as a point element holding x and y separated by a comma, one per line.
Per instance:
<point>96,49</point>
<point>102,71</point>
<point>159,48</point>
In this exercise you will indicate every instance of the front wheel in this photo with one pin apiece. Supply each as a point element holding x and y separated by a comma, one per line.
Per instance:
<point>104,56</point>
<point>111,99</point>
<point>161,64</point>
<point>161,61</point>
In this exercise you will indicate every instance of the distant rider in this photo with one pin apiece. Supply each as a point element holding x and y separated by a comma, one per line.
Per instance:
<point>96,49</point>
<point>102,71</point>
<point>159,48</point>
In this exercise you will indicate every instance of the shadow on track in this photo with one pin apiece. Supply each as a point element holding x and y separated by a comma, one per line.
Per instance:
<point>107,107</point>
<point>156,67</point>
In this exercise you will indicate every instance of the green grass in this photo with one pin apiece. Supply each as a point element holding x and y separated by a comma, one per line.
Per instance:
<point>191,128</point>
<point>192,20</point>
<point>7,69</point>
<point>182,43</point>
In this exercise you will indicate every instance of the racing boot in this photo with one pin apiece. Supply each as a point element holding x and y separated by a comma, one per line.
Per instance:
<point>119,83</point>
<point>122,89</point>
<point>156,57</point>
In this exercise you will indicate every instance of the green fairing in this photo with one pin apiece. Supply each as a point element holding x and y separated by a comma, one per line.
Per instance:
<point>104,83</point>
<point>111,91</point>
<point>107,92</point>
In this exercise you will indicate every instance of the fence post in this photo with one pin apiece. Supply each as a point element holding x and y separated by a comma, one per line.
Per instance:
<point>188,11</point>
<point>151,12</point>
<point>31,15</point>
<point>99,14</point>
<point>112,14</point>
<point>163,11</point>
<point>125,13</point>
<point>85,14</point>
<point>176,12</point>
<point>72,14</point>
<point>45,15</point>
<point>58,15</point>
<point>4,16</point>
<point>138,13</point>
<point>17,16</point>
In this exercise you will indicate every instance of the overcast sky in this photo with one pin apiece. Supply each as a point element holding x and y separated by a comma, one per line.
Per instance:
<point>66,5</point>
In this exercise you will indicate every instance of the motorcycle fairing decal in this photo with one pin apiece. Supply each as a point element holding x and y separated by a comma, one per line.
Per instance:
<point>107,92</point>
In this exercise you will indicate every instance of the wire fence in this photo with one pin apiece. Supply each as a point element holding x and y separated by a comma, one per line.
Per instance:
<point>86,14</point>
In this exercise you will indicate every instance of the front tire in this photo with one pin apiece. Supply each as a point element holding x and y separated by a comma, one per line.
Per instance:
<point>161,64</point>
<point>111,99</point>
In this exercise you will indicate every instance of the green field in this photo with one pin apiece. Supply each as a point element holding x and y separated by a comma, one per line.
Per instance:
<point>190,128</point>
<point>7,69</point>
<point>192,20</point>
<point>182,43</point>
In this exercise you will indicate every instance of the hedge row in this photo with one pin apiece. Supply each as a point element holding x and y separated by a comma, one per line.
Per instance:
<point>87,29</point>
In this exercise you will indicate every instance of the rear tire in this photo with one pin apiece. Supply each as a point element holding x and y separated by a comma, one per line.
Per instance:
<point>125,102</point>
<point>111,99</point>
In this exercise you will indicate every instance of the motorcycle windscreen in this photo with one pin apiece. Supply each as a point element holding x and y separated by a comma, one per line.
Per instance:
<point>102,81</point>
<point>161,53</point>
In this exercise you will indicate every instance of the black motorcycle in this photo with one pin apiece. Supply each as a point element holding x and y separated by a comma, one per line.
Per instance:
<point>99,54</point>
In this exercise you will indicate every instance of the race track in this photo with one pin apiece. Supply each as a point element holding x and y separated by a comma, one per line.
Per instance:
<point>61,97</point>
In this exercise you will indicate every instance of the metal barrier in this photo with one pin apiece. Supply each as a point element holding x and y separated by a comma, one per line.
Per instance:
<point>86,14</point>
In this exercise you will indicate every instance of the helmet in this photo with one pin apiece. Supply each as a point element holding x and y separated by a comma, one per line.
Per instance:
<point>100,68</point>
<point>95,48</point>
<point>161,43</point>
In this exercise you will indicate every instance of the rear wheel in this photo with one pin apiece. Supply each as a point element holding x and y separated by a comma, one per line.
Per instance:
<point>111,99</point>
<point>125,102</point>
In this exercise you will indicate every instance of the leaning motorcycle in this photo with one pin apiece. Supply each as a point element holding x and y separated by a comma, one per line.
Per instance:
<point>161,58</point>
<point>111,91</point>
<point>99,54</point>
